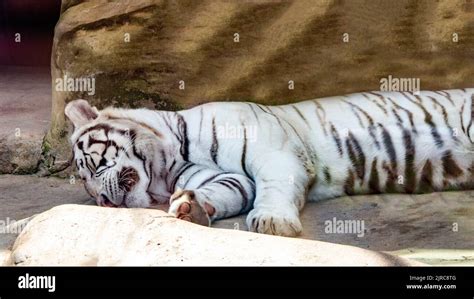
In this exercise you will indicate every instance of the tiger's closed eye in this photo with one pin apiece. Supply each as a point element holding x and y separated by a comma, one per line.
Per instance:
<point>79,164</point>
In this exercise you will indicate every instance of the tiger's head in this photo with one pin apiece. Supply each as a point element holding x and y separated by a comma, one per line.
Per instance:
<point>113,155</point>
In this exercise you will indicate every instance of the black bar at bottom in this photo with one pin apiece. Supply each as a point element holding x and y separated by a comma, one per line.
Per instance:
<point>141,282</point>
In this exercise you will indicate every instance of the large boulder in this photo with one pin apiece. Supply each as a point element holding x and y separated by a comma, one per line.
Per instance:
<point>86,235</point>
<point>142,52</point>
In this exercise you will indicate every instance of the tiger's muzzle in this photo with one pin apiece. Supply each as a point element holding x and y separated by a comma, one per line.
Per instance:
<point>116,186</point>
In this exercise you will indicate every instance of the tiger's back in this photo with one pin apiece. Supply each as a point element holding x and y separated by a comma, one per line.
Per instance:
<point>384,142</point>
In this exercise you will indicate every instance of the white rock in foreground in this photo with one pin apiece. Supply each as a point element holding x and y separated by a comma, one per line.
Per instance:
<point>89,235</point>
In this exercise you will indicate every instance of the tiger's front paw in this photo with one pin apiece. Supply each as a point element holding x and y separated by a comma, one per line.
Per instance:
<point>183,205</point>
<point>267,221</point>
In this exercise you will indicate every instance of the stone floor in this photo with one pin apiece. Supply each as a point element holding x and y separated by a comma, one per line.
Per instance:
<point>25,99</point>
<point>434,228</point>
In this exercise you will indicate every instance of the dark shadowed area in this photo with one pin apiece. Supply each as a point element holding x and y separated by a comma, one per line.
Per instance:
<point>34,21</point>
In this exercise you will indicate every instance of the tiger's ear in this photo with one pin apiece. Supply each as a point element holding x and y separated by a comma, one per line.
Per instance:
<point>80,112</point>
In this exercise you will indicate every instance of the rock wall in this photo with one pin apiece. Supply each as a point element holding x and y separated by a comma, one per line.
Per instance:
<point>141,52</point>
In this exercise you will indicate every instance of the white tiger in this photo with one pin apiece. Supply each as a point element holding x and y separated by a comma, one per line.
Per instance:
<point>356,144</point>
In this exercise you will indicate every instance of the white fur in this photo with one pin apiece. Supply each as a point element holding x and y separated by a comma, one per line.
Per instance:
<point>296,158</point>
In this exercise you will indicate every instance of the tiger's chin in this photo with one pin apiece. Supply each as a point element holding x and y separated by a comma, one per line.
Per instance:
<point>140,200</point>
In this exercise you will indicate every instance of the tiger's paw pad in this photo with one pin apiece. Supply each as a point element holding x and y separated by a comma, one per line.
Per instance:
<point>274,223</point>
<point>184,206</point>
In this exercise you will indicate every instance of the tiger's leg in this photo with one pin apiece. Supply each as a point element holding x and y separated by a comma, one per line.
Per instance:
<point>282,183</point>
<point>202,195</point>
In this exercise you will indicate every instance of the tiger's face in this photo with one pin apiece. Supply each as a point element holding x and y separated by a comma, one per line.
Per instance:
<point>110,157</point>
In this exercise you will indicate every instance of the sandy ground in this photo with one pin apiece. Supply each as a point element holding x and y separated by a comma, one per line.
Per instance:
<point>25,100</point>
<point>434,228</point>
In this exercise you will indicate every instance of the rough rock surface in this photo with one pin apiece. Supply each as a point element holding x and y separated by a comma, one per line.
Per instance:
<point>138,51</point>
<point>86,235</point>
<point>20,155</point>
